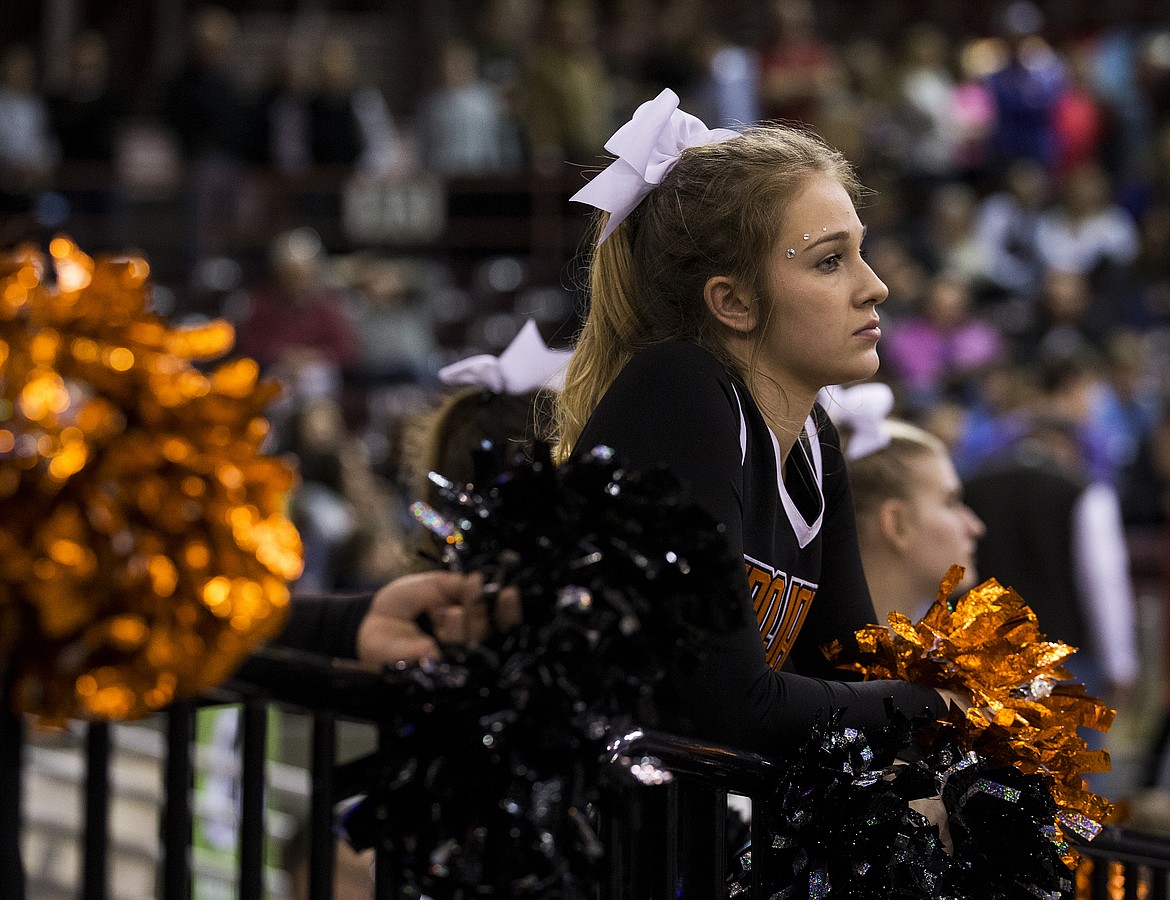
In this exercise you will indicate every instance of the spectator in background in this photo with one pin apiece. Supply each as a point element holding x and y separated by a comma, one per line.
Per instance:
<point>395,328</point>
<point>726,89</point>
<point>1142,295</point>
<point>942,352</point>
<point>1152,73</point>
<point>345,515</point>
<point>1006,227</point>
<point>798,69</point>
<point>1070,389</point>
<point>204,111</point>
<point>283,142</point>
<point>859,115</point>
<point>279,144</point>
<point>503,30</point>
<point>320,507</point>
<point>1025,90</point>
<point>1055,535</point>
<point>628,33</point>
<point>672,58</point>
<point>296,327</point>
<point>927,89</point>
<point>1063,327</point>
<point>335,132</point>
<point>949,241</point>
<point>1082,120</point>
<point>902,271</point>
<point>464,126</point>
<point>1128,407</point>
<point>996,416</point>
<point>1086,231</point>
<point>567,100</point>
<point>350,127</point>
<point>85,112</point>
<point>28,153</point>
<point>85,116</point>
<point>973,113</point>
<point>1145,484</point>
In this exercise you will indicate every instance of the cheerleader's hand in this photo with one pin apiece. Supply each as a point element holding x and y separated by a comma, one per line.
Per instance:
<point>936,814</point>
<point>448,605</point>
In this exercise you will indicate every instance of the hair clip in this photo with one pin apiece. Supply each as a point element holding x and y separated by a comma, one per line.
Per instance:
<point>647,147</point>
<point>863,409</point>
<point>525,365</point>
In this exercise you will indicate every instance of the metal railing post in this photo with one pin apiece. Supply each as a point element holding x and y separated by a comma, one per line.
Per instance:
<point>322,843</point>
<point>178,780</point>
<point>385,882</point>
<point>254,734</point>
<point>11,769</point>
<point>701,840</point>
<point>95,885</point>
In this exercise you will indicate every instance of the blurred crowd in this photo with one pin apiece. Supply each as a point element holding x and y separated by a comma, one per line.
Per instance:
<point>1020,214</point>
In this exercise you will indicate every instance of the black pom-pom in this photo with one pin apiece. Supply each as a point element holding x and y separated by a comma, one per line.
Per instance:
<point>489,768</point>
<point>840,824</point>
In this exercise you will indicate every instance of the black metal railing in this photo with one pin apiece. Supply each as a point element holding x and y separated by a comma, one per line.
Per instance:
<point>660,841</point>
<point>1124,864</point>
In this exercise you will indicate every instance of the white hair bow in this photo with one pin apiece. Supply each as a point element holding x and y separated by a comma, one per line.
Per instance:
<point>863,409</point>
<point>647,147</point>
<point>525,365</point>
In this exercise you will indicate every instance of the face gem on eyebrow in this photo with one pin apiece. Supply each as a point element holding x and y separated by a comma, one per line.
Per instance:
<point>824,239</point>
<point>835,236</point>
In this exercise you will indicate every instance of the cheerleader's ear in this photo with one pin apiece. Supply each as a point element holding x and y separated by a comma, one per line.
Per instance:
<point>730,305</point>
<point>894,522</point>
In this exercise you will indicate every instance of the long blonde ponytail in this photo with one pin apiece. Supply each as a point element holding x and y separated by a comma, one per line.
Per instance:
<point>610,336</point>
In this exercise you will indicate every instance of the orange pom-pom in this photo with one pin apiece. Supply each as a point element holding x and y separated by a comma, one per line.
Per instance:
<point>1024,708</point>
<point>144,549</point>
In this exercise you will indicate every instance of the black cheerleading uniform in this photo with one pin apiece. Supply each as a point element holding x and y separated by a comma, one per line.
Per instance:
<point>326,624</point>
<point>675,404</point>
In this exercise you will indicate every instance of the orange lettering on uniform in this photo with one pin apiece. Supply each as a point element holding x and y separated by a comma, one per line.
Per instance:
<point>767,593</point>
<point>776,594</point>
<point>781,608</point>
<point>795,610</point>
<point>801,602</point>
<point>757,578</point>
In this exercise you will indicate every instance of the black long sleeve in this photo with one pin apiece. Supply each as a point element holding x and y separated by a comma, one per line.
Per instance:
<point>675,405</point>
<point>325,624</point>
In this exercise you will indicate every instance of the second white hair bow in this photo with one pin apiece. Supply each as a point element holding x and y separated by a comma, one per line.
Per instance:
<point>863,409</point>
<point>525,365</point>
<point>647,147</point>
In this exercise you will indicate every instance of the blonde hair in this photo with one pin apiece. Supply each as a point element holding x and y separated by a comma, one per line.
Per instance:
<point>886,473</point>
<point>717,212</point>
